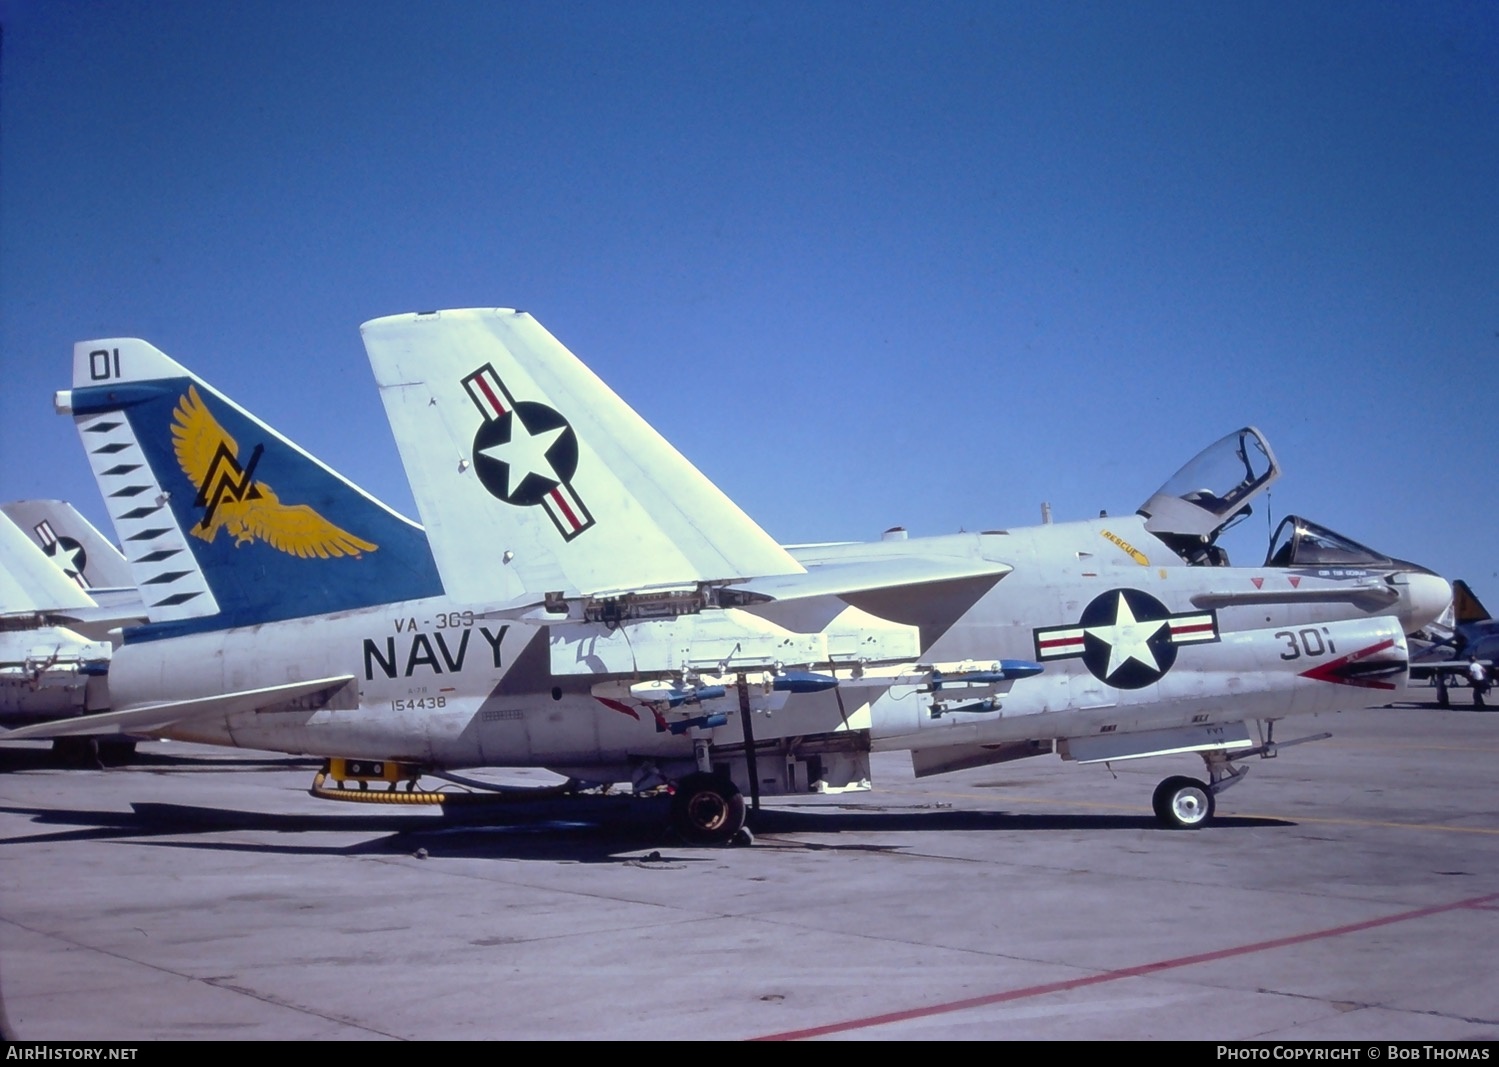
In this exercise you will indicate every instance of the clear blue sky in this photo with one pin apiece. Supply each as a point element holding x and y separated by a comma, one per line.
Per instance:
<point>866,264</point>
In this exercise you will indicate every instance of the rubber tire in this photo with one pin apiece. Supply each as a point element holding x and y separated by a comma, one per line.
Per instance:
<point>1183,803</point>
<point>707,809</point>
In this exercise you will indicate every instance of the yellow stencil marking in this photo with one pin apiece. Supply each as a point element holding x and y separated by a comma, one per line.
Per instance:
<point>1129,550</point>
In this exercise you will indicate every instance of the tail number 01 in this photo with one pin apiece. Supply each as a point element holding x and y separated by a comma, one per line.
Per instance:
<point>104,364</point>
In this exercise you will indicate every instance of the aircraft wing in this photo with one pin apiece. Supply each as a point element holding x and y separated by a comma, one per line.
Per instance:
<point>835,579</point>
<point>892,576</point>
<point>533,476</point>
<point>153,717</point>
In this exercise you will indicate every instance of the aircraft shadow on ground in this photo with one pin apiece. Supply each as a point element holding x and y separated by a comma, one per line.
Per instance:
<point>35,758</point>
<point>586,829</point>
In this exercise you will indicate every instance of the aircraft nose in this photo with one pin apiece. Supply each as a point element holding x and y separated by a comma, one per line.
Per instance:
<point>1423,598</point>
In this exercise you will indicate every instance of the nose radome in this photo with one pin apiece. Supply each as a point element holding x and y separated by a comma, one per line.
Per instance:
<point>1423,599</point>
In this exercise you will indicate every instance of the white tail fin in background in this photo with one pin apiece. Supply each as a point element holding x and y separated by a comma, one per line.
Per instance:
<point>29,581</point>
<point>533,476</point>
<point>68,539</point>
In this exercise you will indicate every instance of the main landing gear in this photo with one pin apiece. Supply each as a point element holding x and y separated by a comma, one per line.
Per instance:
<point>708,809</point>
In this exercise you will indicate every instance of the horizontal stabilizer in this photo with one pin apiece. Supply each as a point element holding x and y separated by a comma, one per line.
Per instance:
<point>101,618</point>
<point>534,477</point>
<point>153,717</point>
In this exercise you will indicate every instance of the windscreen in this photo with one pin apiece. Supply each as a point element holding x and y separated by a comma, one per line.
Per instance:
<point>1300,542</point>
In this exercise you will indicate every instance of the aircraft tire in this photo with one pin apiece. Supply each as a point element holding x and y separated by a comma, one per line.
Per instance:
<point>1183,803</point>
<point>707,809</point>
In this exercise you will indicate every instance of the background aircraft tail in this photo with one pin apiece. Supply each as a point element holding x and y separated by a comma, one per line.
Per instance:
<point>225,522</point>
<point>29,581</point>
<point>1466,606</point>
<point>533,476</point>
<point>83,553</point>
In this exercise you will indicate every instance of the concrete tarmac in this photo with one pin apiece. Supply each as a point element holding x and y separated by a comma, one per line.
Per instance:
<point>1348,890</point>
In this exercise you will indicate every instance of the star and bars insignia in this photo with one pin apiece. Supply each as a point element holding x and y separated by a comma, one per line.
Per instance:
<point>525,453</point>
<point>64,551</point>
<point>1127,638</point>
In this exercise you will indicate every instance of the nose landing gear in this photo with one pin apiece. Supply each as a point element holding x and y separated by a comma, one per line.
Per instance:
<point>1183,803</point>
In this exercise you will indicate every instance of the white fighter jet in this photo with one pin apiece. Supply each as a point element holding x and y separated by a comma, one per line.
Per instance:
<point>583,599</point>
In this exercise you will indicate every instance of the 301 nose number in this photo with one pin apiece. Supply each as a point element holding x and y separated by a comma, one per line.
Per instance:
<point>1311,642</point>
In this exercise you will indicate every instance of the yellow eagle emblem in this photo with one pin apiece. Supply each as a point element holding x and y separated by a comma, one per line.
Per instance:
<point>232,499</point>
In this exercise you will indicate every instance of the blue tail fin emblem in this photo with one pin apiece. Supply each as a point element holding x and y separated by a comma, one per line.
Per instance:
<point>227,523</point>
<point>233,501</point>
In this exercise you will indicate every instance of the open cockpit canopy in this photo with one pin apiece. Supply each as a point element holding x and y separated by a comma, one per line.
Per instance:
<point>1202,499</point>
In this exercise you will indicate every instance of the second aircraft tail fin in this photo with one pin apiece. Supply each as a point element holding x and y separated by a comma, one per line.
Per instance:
<point>533,476</point>
<point>83,553</point>
<point>29,582</point>
<point>225,522</point>
<point>1467,606</point>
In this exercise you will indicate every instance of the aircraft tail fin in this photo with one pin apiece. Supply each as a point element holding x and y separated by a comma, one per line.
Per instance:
<point>225,522</point>
<point>29,582</point>
<point>1466,606</point>
<point>72,542</point>
<point>533,476</point>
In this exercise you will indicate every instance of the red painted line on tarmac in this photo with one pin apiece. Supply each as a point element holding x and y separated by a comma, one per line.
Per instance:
<point>1127,972</point>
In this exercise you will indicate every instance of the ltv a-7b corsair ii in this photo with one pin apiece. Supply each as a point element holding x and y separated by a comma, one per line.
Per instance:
<point>581,598</point>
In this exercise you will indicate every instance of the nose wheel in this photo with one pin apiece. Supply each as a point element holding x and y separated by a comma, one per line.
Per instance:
<point>1182,803</point>
<point>707,809</point>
